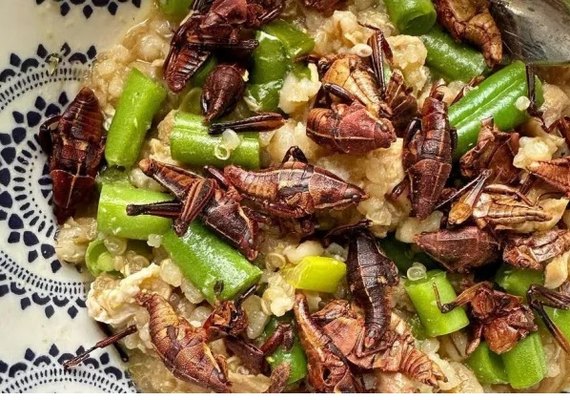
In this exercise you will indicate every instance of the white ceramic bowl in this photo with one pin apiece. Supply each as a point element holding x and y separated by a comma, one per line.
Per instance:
<point>42,303</point>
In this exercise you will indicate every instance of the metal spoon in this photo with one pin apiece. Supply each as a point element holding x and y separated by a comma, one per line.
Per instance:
<point>535,31</point>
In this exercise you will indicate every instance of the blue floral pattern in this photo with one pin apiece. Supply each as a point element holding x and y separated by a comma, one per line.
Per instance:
<point>37,370</point>
<point>88,6</point>
<point>42,301</point>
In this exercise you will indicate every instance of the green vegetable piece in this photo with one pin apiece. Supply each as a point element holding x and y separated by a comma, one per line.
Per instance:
<point>191,103</point>
<point>112,216</point>
<point>98,259</point>
<point>403,255</point>
<point>218,270</point>
<point>526,363</point>
<point>191,144</point>
<point>269,59</point>
<point>319,274</point>
<point>264,96</point>
<point>495,97</point>
<point>301,71</point>
<point>296,42</point>
<point>295,356</point>
<point>113,176</point>
<point>413,17</point>
<point>199,78</point>
<point>488,366</point>
<point>140,101</point>
<point>423,297</point>
<point>177,9</point>
<point>418,330</point>
<point>455,61</point>
<point>517,281</point>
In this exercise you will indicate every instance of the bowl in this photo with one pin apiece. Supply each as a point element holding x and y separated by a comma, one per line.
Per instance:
<point>42,302</point>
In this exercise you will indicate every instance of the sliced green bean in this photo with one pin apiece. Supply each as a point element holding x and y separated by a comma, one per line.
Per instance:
<point>218,270</point>
<point>296,42</point>
<point>112,216</point>
<point>175,8</point>
<point>191,144</point>
<point>488,366</point>
<point>423,296</point>
<point>452,60</point>
<point>525,364</point>
<point>413,17</point>
<point>140,101</point>
<point>98,259</point>
<point>495,97</point>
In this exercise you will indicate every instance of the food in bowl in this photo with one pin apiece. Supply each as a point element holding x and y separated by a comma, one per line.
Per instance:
<point>320,197</point>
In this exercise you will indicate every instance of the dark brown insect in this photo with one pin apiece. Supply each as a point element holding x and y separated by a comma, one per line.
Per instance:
<point>503,208</point>
<point>348,128</point>
<point>396,351</point>
<point>328,370</point>
<point>400,105</point>
<point>219,27</point>
<point>183,348</point>
<point>428,155</point>
<point>370,277</point>
<point>293,189</point>
<point>219,211</point>
<point>262,122</point>
<point>555,172</point>
<point>470,20</point>
<point>538,297</point>
<point>461,250</point>
<point>500,318</point>
<point>183,61</point>
<point>223,88</point>
<point>533,251</point>
<point>74,142</point>
<point>495,151</point>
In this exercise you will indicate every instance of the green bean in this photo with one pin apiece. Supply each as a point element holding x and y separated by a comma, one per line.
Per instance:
<point>114,176</point>
<point>517,281</point>
<point>413,17</point>
<point>140,101</point>
<point>296,42</point>
<point>450,59</point>
<point>98,259</point>
<point>423,296</point>
<point>525,363</point>
<point>175,8</point>
<point>218,270</point>
<point>191,144</point>
<point>270,65</point>
<point>294,356</point>
<point>199,78</point>
<point>319,274</point>
<point>495,97</point>
<point>112,217</point>
<point>488,366</point>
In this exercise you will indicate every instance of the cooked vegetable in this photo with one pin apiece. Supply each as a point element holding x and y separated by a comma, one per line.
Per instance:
<point>191,144</point>
<point>200,76</point>
<point>495,97</point>
<point>488,366</point>
<point>175,8</point>
<point>294,356</point>
<point>270,65</point>
<point>296,42</point>
<point>140,101</point>
<point>526,363</point>
<point>423,295</point>
<point>98,259</point>
<point>412,17</point>
<point>450,59</point>
<point>219,271</point>
<point>320,274</point>
<point>112,216</point>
